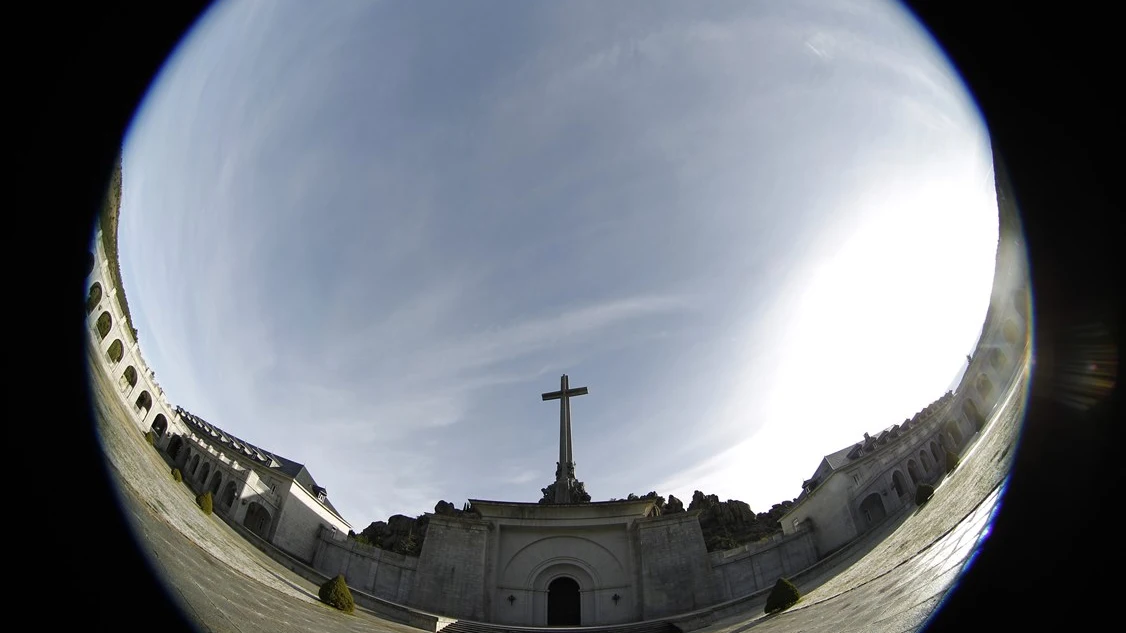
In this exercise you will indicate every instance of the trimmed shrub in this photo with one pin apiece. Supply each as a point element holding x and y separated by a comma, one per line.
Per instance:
<point>149,437</point>
<point>176,475</point>
<point>923,494</point>
<point>335,593</point>
<point>783,596</point>
<point>205,502</point>
<point>951,462</point>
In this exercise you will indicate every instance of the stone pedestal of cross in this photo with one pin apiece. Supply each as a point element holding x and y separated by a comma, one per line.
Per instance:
<point>565,468</point>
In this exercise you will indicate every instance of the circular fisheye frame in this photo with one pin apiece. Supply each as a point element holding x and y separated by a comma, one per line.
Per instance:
<point>763,260</point>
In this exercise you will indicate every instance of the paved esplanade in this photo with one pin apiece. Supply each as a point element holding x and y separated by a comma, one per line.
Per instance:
<point>882,585</point>
<point>565,468</point>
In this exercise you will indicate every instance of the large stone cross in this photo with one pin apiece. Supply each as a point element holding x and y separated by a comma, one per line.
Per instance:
<point>565,469</point>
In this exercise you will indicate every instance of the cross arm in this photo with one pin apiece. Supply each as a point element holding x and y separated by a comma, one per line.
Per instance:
<point>555,395</point>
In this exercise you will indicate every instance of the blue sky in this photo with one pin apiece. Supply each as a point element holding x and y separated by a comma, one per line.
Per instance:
<point>366,236</point>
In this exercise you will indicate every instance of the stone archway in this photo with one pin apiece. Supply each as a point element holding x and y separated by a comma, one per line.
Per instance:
<point>115,352</point>
<point>1011,332</point>
<point>105,322</point>
<point>143,404</point>
<point>258,519</point>
<point>913,471</point>
<point>128,379</point>
<point>872,509</point>
<point>159,425</point>
<point>898,484</point>
<point>229,495</point>
<point>216,481</point>
<point>936,453</point>
<point>969,409</point>
<point>94,298</point>
<point>997,359</point>
<point>1021,301</point>
<point>984,386</point>
<point>564,602</point>
<point>204,472</point>
<point>925,458</point>
<point>954,433</point>
<point>194,465</point>
<point>175,445</point>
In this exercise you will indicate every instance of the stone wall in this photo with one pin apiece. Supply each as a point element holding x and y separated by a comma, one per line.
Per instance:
<point>744,570</point>
<point>676,574</point>
<point>382,573</point>
<point>300,521</point>
<point>450,579</point>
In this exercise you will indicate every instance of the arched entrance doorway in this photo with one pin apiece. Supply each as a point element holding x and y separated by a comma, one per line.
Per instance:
<point>257,520</point>
<point>564,603</point>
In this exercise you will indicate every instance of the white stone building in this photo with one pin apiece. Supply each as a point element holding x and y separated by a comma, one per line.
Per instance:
<point>856,487</point>
<point>272,497</point>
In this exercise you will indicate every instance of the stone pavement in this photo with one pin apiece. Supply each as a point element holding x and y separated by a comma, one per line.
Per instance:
<point>222,583</point>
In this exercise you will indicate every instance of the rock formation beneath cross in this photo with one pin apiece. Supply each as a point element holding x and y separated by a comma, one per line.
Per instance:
<point>566,488</point>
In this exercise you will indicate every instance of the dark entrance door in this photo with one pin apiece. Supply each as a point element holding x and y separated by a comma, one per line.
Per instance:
<point>563,605</point>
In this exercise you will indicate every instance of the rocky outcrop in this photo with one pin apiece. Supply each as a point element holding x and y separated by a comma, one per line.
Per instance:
<point>731,523</point>
<point>405,535</point>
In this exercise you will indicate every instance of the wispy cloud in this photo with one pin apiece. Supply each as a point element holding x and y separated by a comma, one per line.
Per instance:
<point>367,237</point>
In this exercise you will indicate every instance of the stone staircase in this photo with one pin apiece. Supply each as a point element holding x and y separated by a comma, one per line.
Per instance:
<point>655,626</point>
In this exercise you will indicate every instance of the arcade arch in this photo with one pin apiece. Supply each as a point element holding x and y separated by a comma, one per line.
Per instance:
<point>984,386</point>
<point>898,484</point>
<point>143,404</point>
<point>115,352</point>
<point>128,379</point>
<point>94,298</point>
<point>229,494</point>
<point>159,425</point>
<point>953,432</point>
<point>969,409</point>
<point>175,445</point>
<point>913,471</point>
<point>1011,332</point>
<point>104,323</point>
<point>872,508</point>
<point>925,458</point>
<point>997,359</point>
<point>257,519</point>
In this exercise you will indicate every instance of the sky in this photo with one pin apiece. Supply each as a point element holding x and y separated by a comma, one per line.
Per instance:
<point>366,236</point>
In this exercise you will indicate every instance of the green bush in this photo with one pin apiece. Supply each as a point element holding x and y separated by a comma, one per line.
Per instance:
<point>149,437</point>
<point>205,503</point>
<point>923,493</point>
<point>176,474</point>
<point>335,593</point>
<point>783,596</point>
<point>951,462</point>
